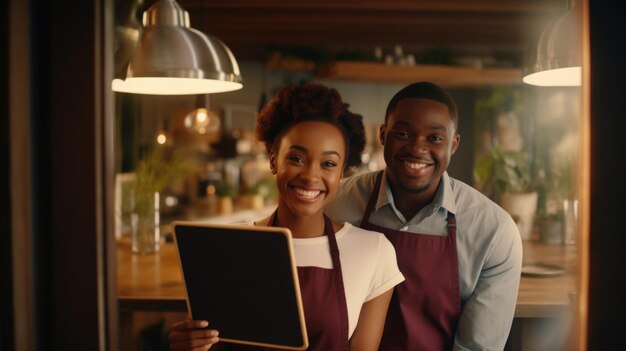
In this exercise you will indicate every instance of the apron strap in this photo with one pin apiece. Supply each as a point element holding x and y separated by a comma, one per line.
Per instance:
<point>372,200</point>
<point>337,277</point>
<point>456,290</point>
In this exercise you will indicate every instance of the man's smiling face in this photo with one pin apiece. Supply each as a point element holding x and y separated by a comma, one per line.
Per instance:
<point>419,139</point>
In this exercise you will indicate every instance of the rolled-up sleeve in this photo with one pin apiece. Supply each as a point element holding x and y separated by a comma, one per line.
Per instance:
<point>386,272</point>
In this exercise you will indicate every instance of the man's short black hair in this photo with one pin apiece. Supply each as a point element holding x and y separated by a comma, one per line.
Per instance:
<point>424,90</point>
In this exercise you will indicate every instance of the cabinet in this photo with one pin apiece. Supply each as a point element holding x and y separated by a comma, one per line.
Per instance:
<point>446,76</point>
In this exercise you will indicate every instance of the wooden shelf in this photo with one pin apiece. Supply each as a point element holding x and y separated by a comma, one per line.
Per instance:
<point>447,76</point>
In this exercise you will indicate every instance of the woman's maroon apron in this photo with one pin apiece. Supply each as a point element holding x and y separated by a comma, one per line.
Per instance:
<point>324,299</point>
<point>425,308</point>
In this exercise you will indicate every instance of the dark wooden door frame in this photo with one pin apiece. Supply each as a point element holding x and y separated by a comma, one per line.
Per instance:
<point>59,161</point>
<point>607,242</point>
<point>71,164</point>
<point>7,329</point>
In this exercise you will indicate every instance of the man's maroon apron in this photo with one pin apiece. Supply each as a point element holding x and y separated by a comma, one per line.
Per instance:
<point>324,299</point>
<point>425,308</point>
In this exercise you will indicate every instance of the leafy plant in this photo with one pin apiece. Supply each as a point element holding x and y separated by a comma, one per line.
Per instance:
<point>503,171</point>
<point>226,189</point>
<point>489,104</point>
<point>153,175</point>
<point>265,187</point>
<point>503,98</point>
<point>560,177</point>
<point>543,215</point>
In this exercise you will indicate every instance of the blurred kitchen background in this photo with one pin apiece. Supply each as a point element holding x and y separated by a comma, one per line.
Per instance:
<point>367,51</point>
<point>519,142</point>
<point>77,158</point>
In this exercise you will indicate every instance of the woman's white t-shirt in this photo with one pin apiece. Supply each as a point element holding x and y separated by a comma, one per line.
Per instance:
<point>368,264</point>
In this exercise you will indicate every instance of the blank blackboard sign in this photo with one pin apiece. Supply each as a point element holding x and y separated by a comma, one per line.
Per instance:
<point>243,281</point>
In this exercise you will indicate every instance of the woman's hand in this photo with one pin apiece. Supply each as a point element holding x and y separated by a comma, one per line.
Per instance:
<point>191,335</point>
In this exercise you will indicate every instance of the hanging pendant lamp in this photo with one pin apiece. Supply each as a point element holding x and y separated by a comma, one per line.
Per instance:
<point>202,120</point>
<point>556,61</point>
<point>175,59</point>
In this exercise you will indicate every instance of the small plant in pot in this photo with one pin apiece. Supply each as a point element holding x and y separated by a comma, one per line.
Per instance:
<point>226,192</point>
<point>154,173</point>
<point>550,227</point>
<point>504,175</point>
<point>502,171</point>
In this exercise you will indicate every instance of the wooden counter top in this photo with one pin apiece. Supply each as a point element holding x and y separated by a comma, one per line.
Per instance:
<point>547,296</point>
<point>149,282</point>
<point>153,282</point>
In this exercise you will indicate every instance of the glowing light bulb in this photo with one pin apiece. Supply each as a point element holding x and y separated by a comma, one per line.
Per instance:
<point>202,121</point>
<point>164,138</point>
<point>161,139</point>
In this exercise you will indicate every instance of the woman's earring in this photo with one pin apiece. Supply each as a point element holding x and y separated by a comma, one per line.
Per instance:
<point>340,180</point>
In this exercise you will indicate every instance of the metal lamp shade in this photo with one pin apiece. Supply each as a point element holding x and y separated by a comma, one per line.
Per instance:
<point>174,59</point>
<point>556,62</point>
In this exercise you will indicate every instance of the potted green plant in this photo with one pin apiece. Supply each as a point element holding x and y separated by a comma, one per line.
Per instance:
<point>225,192</point>
<point>560,194</point>
<point>256,194</point>
<point>504,175</point>
<point>550,227</point>
<point>154,173</point>
<point>502,171</point>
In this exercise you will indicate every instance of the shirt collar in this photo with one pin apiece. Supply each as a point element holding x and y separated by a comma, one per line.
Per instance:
<point>444,197</point>
<point>384,193</point>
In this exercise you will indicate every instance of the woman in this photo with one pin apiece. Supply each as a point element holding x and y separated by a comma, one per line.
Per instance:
<point>311,138</point>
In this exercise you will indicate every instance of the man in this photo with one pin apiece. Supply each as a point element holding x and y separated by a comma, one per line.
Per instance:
<point>460,253</point>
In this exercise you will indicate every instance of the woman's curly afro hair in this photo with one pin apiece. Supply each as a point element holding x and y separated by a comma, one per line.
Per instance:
<point>310,102</point>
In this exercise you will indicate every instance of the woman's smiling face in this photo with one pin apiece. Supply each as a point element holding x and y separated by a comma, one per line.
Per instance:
<point>309,165</point>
